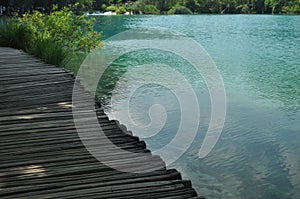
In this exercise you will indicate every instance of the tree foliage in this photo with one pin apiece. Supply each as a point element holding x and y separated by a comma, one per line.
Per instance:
<point>177,9</point>
<point>8,7</point>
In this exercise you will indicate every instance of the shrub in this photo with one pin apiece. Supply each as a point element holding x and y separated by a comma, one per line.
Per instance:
<point>150,9</point>
<point>111,8</point>
<point>121,10</point>
<point>103,7</point>
<point>70,31</point>
<point>293,9</point>
<point>244,9</point>
<point>51,37</point>
<point>180,10</point>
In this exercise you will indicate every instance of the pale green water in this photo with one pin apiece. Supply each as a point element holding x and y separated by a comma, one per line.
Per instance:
<point>258,154</point>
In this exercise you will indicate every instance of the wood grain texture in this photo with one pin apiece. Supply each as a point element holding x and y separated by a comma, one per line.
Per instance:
<point>41,154</point>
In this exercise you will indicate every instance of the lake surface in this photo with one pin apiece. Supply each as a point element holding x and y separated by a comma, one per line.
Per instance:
<point>258,56</point>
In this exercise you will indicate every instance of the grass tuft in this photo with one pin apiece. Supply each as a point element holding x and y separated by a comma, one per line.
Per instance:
<point>15,35</point>
<point>20,36</point>
<point>49,51</point>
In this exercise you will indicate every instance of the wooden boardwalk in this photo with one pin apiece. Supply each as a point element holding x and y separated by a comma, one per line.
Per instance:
<point>41,155</point>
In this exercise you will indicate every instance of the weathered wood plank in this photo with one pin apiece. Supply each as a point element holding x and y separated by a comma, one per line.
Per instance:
<point>42,155</point>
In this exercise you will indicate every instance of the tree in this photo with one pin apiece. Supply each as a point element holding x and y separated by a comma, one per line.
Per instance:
<point>193,5</point>
<point>149,6</point>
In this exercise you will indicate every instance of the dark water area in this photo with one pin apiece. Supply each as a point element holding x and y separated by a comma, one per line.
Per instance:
<point>258,56</point>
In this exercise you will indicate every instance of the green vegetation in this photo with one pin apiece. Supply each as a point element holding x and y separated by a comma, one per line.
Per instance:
<point>149,9</point>
<point>19,35</point>
<point>16,35</point>
<point>63,27</point>
<point>48,50</point>
<point>112,8</point>
<point>219,6</point>
<point>178,9</point>
<point>8,7</point>
<point>57,38</point>
<point>121,10</point>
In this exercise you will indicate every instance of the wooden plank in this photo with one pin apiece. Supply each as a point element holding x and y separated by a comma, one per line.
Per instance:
<point>42,155</point>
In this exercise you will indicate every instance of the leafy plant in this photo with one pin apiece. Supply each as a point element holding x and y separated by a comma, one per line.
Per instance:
<point>150,9</point>
<point>111,8</point>
<point>15,35</point>
<point>244,9</point>
<point>63,27</point>
<point>180,10</point>
<point>292,9</point>
<point>51,37</point>
<point>121,10</point>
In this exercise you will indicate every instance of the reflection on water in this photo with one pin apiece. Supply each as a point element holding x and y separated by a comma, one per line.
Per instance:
<point>258,154</point>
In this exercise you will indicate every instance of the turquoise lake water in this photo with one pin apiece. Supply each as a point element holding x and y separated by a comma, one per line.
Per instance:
<point>258,56</point>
